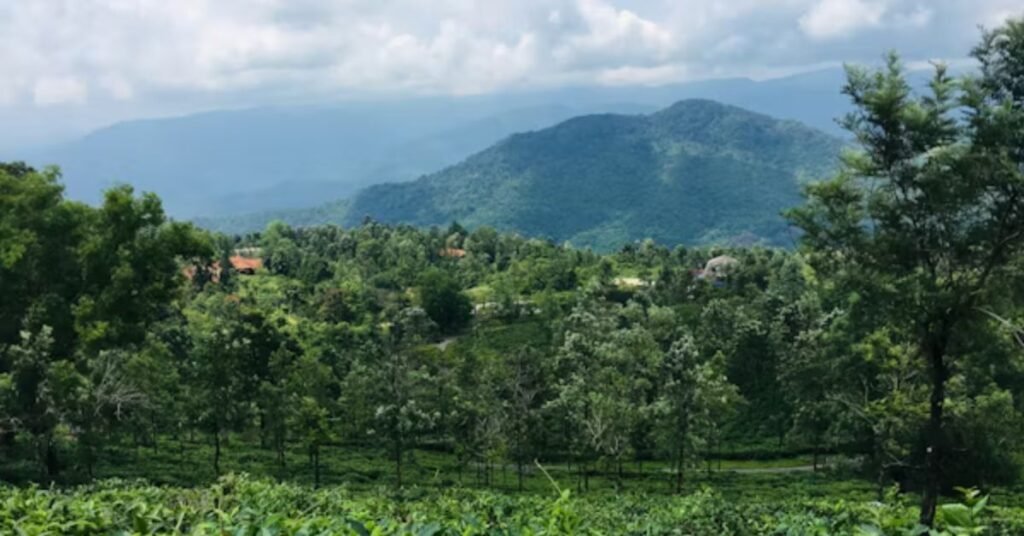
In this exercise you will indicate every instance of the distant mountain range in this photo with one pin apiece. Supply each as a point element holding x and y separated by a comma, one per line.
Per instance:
<point>229,163</point>
<point>696,172</point>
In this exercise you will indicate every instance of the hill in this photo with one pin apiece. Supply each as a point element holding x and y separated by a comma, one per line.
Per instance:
<point>696,172</point>
<point>231,162</point>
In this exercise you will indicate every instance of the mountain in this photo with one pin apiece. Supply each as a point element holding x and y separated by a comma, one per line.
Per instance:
<point>233,162</point>
<point>696,172</point>
<point>270,159</point>
<point>237,162</point>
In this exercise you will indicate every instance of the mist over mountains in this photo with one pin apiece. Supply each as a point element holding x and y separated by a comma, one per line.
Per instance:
<point>229,163</point>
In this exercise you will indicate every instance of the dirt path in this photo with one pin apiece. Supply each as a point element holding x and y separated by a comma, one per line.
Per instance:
<point>770,470</point>
<point>742,471</point>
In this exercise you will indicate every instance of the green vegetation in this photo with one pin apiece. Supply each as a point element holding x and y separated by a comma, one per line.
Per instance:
<point>247,506</point>
<point>695,172</point>
<point>446,380</point>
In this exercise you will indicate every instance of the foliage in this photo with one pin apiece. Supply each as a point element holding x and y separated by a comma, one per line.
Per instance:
<point>389,355</point>
<point>241,505</point>
<point>695,172</point>
<point>925,219</point>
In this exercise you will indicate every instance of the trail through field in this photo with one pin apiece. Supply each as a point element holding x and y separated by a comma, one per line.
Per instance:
<point>769,470</point>
<point>738,470</point>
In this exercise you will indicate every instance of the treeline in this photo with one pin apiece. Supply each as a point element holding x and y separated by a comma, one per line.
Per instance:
<point>889,337</point>
<point>637,355</point>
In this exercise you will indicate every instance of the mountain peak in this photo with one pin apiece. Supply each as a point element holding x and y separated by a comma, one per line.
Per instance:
<point>698,171</point>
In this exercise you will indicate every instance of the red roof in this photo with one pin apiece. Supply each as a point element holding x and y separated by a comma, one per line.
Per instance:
<point>240,263</point>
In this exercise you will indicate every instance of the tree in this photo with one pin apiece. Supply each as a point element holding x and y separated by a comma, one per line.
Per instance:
<point>393,377</point>
<point>694,391</point>
<point>311,421</point>
<point>39,394</point>
<point>522,393</point>
<point>16,169</point>
<point>444,301</point>
<point>40,271</point>
<point>131,258</point>
<point>580,358</point>
<point>604,370</point>
<point>309,387</point>
<point>924,221</point>
<point>215,371</point>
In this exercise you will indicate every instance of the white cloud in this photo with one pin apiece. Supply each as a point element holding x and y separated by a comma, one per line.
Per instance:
<point>159,54</point>
<point>118,88</point>
<point>59,90</point>
<point>613,36</point>
<point>635,76</point>
<point>830,19</point>
<point>918,18</point>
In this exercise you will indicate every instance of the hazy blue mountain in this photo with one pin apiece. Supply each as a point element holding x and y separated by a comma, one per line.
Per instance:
<point>696,172</point>
<point>236,162</point>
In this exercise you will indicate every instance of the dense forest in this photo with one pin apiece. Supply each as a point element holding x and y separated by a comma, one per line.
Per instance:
<point>887,351</point>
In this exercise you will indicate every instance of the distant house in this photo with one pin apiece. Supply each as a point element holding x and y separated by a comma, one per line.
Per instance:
<point>717,270</point>
<point>246,265</point>
<point>242,264</point>
<point>454,253</point>
<point>720,267</point>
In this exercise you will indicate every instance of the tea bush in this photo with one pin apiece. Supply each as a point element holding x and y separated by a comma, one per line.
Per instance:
<point>239,505</point>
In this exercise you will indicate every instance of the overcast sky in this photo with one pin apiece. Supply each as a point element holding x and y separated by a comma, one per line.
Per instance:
<point>74,64</point>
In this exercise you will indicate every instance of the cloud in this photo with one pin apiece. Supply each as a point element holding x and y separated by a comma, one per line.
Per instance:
<point>59,90</point>
<point>105,53</point>
<point>829,19</point>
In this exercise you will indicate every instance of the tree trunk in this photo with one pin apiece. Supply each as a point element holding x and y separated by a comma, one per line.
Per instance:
<point>586,478</point>
<point>154,434</point>
<point>684,430</point>
<point>679,469</point>
<point>398,463</point>
<point>936,439</point>
<point>51,464</point>
<point>216,452</point>
<point>316,466</point>
<point>880,479</point>
<point>264,443</point>
<point>519,470</point>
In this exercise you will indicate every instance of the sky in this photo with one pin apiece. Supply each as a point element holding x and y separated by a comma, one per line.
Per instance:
<point>67,66</point>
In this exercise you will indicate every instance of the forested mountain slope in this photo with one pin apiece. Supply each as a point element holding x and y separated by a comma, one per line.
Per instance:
<point>695,172</point>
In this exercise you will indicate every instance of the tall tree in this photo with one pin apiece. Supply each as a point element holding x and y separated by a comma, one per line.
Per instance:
<point>522,394</point>
<point>924,220</point>
<point>444,301</point>
<point>694,392</point>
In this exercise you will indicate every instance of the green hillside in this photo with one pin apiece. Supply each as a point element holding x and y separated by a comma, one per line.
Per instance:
<point>696,172</point>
